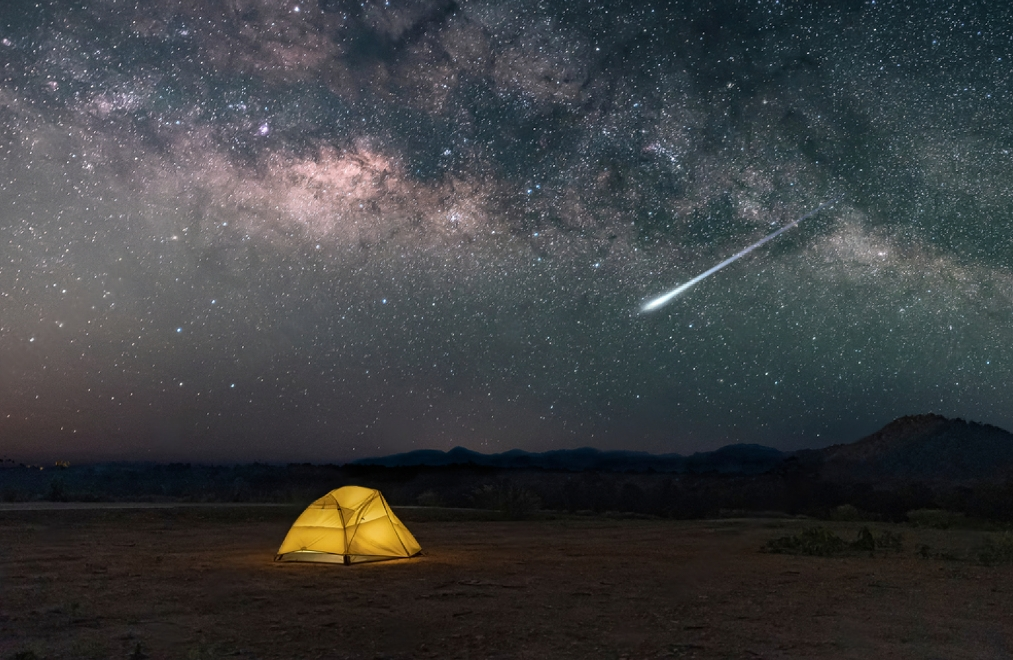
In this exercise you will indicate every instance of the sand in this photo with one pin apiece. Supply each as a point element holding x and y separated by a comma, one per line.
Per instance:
<point>202,583</point>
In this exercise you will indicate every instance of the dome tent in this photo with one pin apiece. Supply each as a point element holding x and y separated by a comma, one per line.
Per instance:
<point>347,526</point>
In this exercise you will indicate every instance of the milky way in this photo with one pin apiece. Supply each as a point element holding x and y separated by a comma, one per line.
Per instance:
<point>278,230</point>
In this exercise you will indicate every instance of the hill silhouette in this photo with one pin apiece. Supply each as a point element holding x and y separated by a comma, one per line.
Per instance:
<point>929,448</point>
<point>732,459</point>
<point>924,447</point>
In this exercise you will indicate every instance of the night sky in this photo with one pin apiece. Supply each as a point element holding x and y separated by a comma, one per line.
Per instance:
<point>316,230</point>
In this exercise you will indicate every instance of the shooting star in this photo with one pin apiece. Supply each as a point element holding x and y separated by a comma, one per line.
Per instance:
<point>665,298</point>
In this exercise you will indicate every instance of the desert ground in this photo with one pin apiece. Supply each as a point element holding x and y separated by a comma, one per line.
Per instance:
<point>200,582</point>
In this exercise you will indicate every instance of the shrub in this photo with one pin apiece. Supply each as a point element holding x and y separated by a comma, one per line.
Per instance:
<point>865,541</point>
<point>890,541</point>
<point>514,502</point>
<point>821,542</point>
<point>429,498</point>
<point>846,512</point>
<point>935,518</point>
<point>57,490</point>
<point>813,541</point>
<point>521,503</point>
<point>12,494</point>
<point>25,655</point>
<point>997,549</point>
<point>631,498</point>
<point>926,552</point>
<point>240,491</point>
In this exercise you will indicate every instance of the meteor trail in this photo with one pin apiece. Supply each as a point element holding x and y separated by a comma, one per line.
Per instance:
<point>661,300</point>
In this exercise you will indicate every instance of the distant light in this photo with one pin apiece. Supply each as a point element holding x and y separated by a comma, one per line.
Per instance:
<point>179,329</point>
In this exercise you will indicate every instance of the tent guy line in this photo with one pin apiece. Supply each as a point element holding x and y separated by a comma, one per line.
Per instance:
<point>665,298</point>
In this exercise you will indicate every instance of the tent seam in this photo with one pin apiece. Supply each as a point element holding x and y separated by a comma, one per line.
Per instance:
<point>397,534</point>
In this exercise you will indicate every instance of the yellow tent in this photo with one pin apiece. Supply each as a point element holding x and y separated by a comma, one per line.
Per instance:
<point>346,526</point>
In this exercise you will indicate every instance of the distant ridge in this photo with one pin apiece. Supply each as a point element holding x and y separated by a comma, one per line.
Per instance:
<point>929,448</point>
<point>925,447</point>
<point>732,459</point>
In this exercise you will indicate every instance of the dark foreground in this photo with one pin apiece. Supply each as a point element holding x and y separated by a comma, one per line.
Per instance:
<point>200,583</point>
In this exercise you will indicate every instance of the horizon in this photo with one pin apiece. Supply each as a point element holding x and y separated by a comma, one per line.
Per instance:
<point>49,461</point>
<point>427,225</point>
<point>9,462</point>
<point>12,462</point>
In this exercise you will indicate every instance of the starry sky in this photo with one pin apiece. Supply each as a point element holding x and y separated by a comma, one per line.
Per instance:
<point>315,230</point>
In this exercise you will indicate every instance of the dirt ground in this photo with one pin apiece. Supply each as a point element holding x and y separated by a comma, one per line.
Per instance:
<point>201,583</point>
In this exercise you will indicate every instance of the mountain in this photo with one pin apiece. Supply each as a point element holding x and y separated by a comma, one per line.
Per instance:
<point>927,448</point>
<point>732,459</point>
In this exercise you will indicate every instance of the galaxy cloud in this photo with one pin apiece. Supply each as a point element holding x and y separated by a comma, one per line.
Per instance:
<point>320,230</point>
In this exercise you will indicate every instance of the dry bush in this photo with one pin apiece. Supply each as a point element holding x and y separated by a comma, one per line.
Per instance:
<point>936,518</point>
<point>996,549</point>
<point>822,542</point>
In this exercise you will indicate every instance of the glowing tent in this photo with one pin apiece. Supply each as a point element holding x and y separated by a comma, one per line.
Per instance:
<point>346,526</point>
